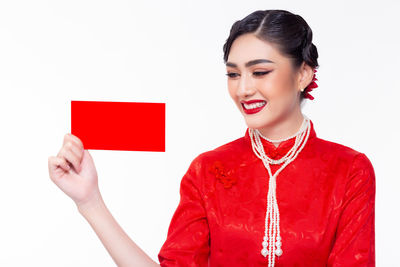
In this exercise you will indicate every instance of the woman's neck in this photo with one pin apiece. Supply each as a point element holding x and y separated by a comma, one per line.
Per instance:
<point>283,129</point>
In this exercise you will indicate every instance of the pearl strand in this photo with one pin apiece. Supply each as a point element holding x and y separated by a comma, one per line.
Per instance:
<point>276,218</point>
<point>272,205</point>
<point>274,140</point>
<point>285,139</point>
<point>291,151</point>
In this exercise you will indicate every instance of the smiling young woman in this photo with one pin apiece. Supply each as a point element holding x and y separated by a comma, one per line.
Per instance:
<point>277,196</point>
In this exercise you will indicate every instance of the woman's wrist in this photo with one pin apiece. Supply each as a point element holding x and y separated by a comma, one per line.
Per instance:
<point>92,204</point>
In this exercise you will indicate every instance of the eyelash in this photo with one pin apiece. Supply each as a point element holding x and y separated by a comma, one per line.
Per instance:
<point>262,73</point>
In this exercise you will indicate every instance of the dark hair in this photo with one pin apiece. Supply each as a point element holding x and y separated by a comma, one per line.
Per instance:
<point>289,32</point>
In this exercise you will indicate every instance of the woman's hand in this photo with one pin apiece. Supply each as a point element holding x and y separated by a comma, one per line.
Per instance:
<point>73,171</point>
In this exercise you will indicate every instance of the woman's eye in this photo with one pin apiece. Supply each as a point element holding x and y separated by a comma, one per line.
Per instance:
<point>231,75</point>
<point>260,73</point>
<point>257,73</point>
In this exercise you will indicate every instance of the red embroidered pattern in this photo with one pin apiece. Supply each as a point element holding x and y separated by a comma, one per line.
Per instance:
<point>225,176</point>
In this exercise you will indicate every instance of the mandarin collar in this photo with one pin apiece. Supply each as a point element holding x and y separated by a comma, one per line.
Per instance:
<point>283,147</point>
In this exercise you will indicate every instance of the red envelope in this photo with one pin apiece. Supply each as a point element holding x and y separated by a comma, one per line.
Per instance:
<point>126,126</point>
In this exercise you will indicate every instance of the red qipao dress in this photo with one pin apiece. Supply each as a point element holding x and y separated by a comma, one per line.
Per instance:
<point>326,200</point>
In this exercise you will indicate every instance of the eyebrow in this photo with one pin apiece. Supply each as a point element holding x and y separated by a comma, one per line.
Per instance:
<point>250,63</point>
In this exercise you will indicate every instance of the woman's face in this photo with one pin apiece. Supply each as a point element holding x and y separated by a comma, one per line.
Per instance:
<point>270,80</point>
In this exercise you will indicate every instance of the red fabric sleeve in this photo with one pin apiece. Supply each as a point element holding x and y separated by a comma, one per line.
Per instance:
<point>187,242</point>
<point>354,244</point>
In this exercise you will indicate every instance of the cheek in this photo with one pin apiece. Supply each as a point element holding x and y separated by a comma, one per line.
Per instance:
<point>278,92</point>
<point>232,90</point>
<point>282,84</point>
<point>232,93</point>
<point>270,89</point>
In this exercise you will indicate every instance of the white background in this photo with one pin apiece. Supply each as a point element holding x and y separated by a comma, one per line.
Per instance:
<point>52,52</point>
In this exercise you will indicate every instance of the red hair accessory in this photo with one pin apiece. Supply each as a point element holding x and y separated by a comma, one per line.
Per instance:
<point>310,87</point>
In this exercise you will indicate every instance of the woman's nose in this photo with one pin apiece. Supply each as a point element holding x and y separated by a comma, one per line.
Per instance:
<point>245,87</point>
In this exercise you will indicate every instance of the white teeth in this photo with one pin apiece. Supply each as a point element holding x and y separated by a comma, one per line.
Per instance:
<point>254,105</point>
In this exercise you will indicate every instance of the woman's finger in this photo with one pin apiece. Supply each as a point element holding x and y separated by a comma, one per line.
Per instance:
<point>71,145</point>
<point>70,157</point>
<point>75,139</point>
<point>57,162</point>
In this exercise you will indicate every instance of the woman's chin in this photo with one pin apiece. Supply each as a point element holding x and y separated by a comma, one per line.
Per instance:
<point>256,124</point>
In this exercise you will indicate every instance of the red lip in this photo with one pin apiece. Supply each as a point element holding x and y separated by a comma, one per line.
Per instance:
<point>252,101</point>
<point>254,110</point>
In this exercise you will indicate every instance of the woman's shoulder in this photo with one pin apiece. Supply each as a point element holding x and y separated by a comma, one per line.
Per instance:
<point>227,151</point>
<point>336,147</point>
<point>227,154</point>
<point>341,152</point>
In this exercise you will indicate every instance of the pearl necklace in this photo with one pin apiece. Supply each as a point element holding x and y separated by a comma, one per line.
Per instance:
<point>272,205</point>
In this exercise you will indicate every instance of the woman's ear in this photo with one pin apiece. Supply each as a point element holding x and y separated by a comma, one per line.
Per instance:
<point>305,75</point>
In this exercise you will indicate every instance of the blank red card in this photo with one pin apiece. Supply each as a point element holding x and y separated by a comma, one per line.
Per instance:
<point>130,126</point>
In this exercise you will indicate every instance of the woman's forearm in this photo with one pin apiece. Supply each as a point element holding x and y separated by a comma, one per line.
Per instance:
<point>122,249</point>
